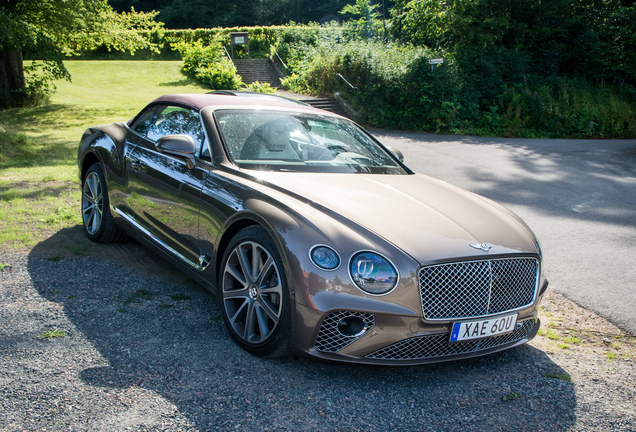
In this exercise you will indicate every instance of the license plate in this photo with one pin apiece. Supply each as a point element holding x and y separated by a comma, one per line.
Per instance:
<point>478,329</point>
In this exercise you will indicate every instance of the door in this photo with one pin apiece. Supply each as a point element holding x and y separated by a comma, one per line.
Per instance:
<point>165,193</point>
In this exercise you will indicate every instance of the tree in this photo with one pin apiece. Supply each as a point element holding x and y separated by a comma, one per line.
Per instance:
<point>572,37</point>
<point>368,14</point>
<point>48,30</point>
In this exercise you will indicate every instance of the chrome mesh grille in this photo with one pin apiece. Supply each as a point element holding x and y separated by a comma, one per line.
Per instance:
<point>477,288</point>
<point>425,347</point>
<point>329,339</point>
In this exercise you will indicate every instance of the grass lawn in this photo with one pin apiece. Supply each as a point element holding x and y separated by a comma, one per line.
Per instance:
<point>39,188</point>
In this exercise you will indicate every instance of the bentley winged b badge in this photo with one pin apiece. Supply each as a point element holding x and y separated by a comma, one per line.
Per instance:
<point>483,246</point>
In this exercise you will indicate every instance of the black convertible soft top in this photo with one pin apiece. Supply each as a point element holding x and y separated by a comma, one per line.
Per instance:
<point>229,97</point>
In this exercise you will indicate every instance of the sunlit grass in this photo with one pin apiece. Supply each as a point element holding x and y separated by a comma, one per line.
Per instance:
<point>39,187</point>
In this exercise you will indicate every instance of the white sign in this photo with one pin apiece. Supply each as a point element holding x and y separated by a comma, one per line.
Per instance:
<point>436,61</point>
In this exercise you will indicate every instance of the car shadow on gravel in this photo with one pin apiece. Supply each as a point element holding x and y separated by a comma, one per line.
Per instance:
<point>150,353</point>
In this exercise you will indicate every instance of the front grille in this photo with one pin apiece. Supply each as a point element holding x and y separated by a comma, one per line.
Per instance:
<point>329,339</point>
<point>426,347</point>
<point>477,288</point>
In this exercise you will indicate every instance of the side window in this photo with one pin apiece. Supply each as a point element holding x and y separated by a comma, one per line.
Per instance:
<point>173,120</point>
<point>145,120</point>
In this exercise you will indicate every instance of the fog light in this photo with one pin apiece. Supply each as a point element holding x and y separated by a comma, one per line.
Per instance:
<point>352,326</point>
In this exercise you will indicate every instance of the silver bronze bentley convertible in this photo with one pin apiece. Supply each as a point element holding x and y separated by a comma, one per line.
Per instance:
<point>315,238</point>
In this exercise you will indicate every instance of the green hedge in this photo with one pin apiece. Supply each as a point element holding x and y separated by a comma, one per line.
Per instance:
<point>396,88</point>
<point>260,39</point>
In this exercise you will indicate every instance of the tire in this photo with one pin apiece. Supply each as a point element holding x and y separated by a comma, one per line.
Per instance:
<point>99,225</point>
<point>254,294</point>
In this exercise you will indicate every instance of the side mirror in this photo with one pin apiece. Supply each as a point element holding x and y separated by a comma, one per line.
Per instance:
<point>397,153</point>
<point>178,145</point>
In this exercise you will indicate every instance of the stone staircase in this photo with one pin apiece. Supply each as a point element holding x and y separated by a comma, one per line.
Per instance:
<point>327,104</point>
<point>261,70</point>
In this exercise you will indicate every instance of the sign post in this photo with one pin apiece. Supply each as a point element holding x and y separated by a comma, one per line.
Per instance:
<point>433,62</point>
<point>239,39</point>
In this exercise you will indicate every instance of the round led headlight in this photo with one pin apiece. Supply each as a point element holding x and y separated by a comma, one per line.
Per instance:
<point>373,273</point>
<point>325,257</point>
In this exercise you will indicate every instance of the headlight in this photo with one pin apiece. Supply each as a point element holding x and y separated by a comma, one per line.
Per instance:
<point>325,257</point>
<point>373,273</point>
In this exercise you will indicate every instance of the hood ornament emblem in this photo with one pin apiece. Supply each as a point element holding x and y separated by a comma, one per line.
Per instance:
<point>483,246</point>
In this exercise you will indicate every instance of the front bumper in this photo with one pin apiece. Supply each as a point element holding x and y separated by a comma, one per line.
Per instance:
<point>403,340</point>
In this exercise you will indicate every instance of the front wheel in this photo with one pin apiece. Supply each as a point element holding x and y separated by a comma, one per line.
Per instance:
<point>99,225</point>
<point>255,299</point>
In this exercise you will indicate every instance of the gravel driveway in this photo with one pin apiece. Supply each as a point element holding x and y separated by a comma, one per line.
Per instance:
<point>145,352</point>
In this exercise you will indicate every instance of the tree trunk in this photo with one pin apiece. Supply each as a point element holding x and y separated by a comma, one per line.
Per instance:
<point>12,84</point>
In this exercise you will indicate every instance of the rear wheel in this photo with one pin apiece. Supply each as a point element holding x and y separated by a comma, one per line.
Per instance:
<point>99,225</point>
<point>255,298</point>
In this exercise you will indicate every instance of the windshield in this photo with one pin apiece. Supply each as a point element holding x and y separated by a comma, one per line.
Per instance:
<point>287,141</point>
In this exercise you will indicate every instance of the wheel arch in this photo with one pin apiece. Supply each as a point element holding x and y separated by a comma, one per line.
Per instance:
<point>89,160</point>
<point>104,144</point>
<point>230,232</point>
<point>268,218</point>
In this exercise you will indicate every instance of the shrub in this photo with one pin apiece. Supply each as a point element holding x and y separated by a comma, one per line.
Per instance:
<point>220,75</point>
<point>196,55</point>
<point>396,88</point>
<point>259,87</point>
<point>205,62</point>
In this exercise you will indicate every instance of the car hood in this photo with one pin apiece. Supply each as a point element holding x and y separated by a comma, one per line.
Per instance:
<point>428,219</point>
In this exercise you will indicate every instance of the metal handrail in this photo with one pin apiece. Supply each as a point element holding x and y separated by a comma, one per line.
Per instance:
<point>227,54</point>
<point>279,59</point>
<point>348,83</point>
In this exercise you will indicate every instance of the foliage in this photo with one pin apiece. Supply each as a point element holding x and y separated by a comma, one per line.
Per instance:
<point>562,107</point>
<point>259,87</point>
<point>207,65</point>
<point>196,55</point>
<point>178,14</point>
<point>295,43</point>
<point>219,76</point>
<point>126,32</point>
<point>389,76</point>
<point>50,334</point>
<point>48,29</point>
<point>521,37</point>
<point>365,27</point>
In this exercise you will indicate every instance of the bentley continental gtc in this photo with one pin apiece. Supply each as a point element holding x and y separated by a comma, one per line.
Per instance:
<point>316,238</point>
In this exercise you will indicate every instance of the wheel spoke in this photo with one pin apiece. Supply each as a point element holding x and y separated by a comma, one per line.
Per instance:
<point>233,294</point>
<point>261,316</point>
<point>236,274</point>
<point>238,312</point>
<point>88,198</point>
<point>88,210</point>
<point>249,322</point>
<point>256,261</point>
<point>96,221</point>
<point>91,181</point>
<point>244,263</point>
<point>268,308</point>
<point>264,271</point>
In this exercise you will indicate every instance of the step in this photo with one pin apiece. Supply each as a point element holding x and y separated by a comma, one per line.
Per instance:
<point>331,105</point>
<point>261,70</point>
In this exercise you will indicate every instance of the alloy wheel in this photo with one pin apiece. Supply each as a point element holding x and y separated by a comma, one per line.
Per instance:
<point>252,292</point>
<point>92,203</point>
